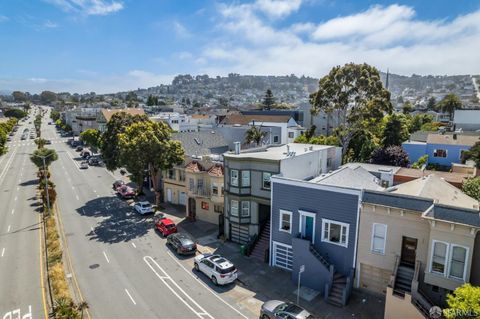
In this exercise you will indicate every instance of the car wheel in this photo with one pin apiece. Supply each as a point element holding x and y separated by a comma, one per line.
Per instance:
<point>214,280</point>
<point>195,265</point>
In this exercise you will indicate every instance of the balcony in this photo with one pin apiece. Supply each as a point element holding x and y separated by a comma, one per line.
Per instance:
<point>200,191</point>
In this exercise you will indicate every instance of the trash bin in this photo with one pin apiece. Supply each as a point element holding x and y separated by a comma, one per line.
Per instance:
<point>243,249</point>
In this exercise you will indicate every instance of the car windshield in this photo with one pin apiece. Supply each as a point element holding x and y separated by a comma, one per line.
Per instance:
<point>170,226</point>
<point>145,205</point>
<point>226,270</point>
<point>186,241</point>
<point>290,308</point>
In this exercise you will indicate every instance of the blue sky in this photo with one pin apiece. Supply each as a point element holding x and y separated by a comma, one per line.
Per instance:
<point>112,45</point>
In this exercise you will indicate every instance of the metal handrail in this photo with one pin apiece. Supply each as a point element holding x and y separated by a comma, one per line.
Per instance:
<point>393,276</point>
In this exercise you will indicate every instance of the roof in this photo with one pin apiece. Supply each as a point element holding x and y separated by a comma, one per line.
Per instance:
<point>246,119</point>
<point>358,178</point>
<point>201,143</point>
<point>374,167</point>
<point>195,167</point>
<point>408,202</point>
<point>108,113</point>
<point>437,189</point>
<point>216,170</point>
<point>200,116</point>
<point>456,178</point>
<point>455,215</point>
<point>448,139</point>
<point>278,153</point>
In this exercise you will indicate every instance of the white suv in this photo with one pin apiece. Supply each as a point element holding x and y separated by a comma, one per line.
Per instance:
<point>143,208</point>
<point>217,268</point>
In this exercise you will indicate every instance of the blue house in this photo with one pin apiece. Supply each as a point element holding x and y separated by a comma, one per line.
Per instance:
<point>314,224</point>
<point>442,149</point>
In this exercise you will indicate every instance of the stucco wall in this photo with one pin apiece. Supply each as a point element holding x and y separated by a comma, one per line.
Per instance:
<point>397,307</point>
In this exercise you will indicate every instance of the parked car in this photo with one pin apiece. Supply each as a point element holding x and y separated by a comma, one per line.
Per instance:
<point>165,226</point>
<point>93,161</point>
<point>219,269</point>
<point>85,154</point>
<point>143,208</point>
<point>24,137</point>
<point>79,148</point>
<point>48,142</point>
<point>274,309</point>
<point>182,243</point>
<point>126,192</point>
<point>117,184</point>
<point>84,165</point>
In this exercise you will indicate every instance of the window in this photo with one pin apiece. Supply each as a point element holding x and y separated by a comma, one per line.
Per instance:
<point>218,209</point>
<point>245,178</point>
<point>379,235</point>
<point>335,232</point>
<point>191,184</point>
<point>205,206</point>
<point>285,221</point>
<point>290,134</point>
<point>214,190</point>
<point>457,262</point>
<point>440,153</point>
<point>171,174</point>
<point>200,184</point>
<point>234,207</point>
<point>181,175</point>
<point>266,180</point>
<point>275,139</point>
<point>234,177</point>
<point>245,209</point>
<point>222,191</point>
<point>439,257</point>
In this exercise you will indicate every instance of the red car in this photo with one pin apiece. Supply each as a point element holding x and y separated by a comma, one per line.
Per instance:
<point>126,192</point>
<point>165,226</point>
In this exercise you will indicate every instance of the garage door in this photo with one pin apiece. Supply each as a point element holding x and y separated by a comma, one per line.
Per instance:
<point>282,256</point>
<point>239,233</point>
<point>182,200</point>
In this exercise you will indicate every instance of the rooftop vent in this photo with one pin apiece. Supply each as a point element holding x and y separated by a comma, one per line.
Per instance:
<point>197,141</point>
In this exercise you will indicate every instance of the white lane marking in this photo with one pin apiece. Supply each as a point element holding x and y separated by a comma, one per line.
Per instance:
<point>73,188</point>
<point>95,191</point>
<point>76,196</point>
<point>13,211</point>
<point>98,195</point>
<point>18,188</point>
<point>91,228</point>
<point>3,251</point>
<point>130,296</point>
<point>134,246</point>
<point>166,278</point>
<point>73,160</point>
<point>8,230</point>
<point>7,166</point>
<point>108,260</point>
<point>16,197</point>
<point>206,287</point>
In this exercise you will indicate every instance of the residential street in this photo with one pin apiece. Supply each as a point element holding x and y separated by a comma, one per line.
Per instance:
<point>20,272</point>
<point>121,264</point>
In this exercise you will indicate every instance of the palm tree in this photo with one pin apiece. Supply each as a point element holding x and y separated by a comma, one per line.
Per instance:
<point>40,142</point>
<point>450,103</point>
<point>254,134</point>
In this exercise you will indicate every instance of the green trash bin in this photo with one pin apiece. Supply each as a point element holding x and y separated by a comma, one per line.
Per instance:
<point>243,249</point>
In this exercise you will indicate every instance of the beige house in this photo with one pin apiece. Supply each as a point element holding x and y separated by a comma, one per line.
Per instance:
<point>174,188</point>
<point>205,191</point>
<point>106,114</point>
<point>418,241</point>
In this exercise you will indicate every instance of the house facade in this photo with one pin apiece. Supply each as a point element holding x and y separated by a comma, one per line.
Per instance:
<point>106,114</point>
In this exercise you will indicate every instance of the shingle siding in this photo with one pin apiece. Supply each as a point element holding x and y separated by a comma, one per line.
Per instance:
<point>325,204</point>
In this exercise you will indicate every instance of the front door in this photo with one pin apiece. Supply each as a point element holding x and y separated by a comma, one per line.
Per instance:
<point>192,210</point>
<point>307,225</point>
<point>409,250</point>
<point>169,195</point>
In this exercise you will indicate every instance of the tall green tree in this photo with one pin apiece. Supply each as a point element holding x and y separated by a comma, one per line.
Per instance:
<point>16,113</point>
<point>356,93</point>
<point>464,302</point>
<point>148,145</point>
<point>473,154</point>
<point>254,134</point>
<point>268,100</point>
<point>471,187</point>
<point>47,153</point>
<point>391,155</point>
<point>40,142</point>
<point>407,108</point>
<point>54,115</point>
<point>19,96</point>
<point>449,104</point>
<point>395,131</point>
<point>432,104</point>
<point>48,97</point>
<point>92,138</point>
<point>109,141</point>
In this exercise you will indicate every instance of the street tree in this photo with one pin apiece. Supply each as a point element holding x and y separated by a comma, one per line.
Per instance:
<point>109,141</point>
<point>473,154</point>
<point>391,155</point>
<point>147,145</point>
<point>471,187</point>
<point>395,131</point>
<point>464,302</point>
<point>254,134</point>
<point>16,113</point>
<point>268,100</point>
<point>40,142</point>
<point>91,137</point>
<point>449,104</point>
<point>43,153</point>
<point>355,92</point>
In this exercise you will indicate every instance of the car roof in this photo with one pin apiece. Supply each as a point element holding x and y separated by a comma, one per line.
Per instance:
<point>144,203</point>
<point>167,221</point>
<point>220,261</point>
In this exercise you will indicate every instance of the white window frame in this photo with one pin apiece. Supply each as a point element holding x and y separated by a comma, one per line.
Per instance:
<point>285,212</point>
<point>445,269</point>
<point>245,177</point>
<point>384,239</point>
<point>263,181</point>
<point>231,207</point>
<point>247,206</point>
<point>214,185</point>
<point>300,224</point>
<point>327,240</point>
<point>435,153</point>
<point>232,179</point>
<point>465,262</point>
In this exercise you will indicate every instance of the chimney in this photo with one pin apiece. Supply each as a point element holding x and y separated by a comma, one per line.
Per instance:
<point>237,147</point>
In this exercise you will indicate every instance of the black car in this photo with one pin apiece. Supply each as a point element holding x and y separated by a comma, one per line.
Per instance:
<point>93,161</point>
<point>182,243</point>
<point>79,149</point>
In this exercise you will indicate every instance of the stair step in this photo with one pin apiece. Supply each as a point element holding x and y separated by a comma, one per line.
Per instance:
<point>403,281</point>
<point>335,302</point>
<point>403,287</point>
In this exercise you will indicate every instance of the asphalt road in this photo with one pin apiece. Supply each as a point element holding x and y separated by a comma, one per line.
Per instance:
<point>20,283</point>
<point>122,266</point>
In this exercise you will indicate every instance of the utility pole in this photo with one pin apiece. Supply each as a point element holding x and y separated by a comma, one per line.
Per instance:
<point>301,270</point>
<point>46,184</point>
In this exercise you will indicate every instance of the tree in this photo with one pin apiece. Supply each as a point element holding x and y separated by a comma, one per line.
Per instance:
<point>48,97</point>
<point>91,137</point>
<point>152,100</point>
<point>55,115</point>
<point>317,140</point>
<point>449,104</point>
<point>423,160</point>
<point>432,104</point>
<point>148,145</point>
<point>355,92</point>
<point>471,187</point>
<point>268,100</point>
<point>109,141</point>
<point>19,96</point>
<point>391,155</point>
<point>464,302</point>
<point>395,131</point>
<point>473,154</point>
<point>40,142</point>
<point>407,108</point>
<point>16,113</point>
<point>47,153</point>
<point>254,134</point>
<point>416,122</point>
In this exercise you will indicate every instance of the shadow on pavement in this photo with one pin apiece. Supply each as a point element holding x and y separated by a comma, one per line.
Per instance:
<point>29,183</point>
<point>117,221</point>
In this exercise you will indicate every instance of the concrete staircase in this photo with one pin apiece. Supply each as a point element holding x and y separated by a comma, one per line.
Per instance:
<point>339,284</point>
<point>403,280</point>
<point>262,244</point>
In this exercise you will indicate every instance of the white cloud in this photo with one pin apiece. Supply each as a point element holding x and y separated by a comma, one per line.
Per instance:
<point>88,7</point>
<point>278,8</point>
<point>3,18</point>
<point>180,30</point>
<point>49,24</point>
<point>184,55</point>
